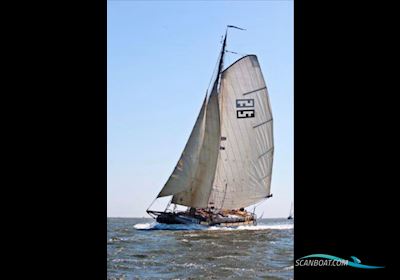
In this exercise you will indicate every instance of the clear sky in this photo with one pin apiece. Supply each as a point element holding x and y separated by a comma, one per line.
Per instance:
<point>160,58</point>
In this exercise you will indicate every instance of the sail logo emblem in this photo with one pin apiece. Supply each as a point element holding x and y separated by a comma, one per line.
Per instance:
<point>244,113</point>
<point>328,260</point>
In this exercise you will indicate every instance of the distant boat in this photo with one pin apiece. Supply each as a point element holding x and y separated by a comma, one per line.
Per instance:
<point>291,216</point>
<point>226,164</point>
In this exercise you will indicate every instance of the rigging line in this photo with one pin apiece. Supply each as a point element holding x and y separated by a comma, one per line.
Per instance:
<point>151,203</point>
<point>223,200</point>
<point>258,204</point>
<point>241,54</point>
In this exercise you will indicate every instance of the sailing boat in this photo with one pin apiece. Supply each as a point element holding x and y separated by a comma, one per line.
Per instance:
<point>226,164</point>
<point>291,212</point>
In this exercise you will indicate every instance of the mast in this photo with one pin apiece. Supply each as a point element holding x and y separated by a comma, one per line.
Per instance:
<point>221,60</point>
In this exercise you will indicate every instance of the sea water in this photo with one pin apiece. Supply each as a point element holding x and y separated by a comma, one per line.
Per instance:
<point>143,249</point>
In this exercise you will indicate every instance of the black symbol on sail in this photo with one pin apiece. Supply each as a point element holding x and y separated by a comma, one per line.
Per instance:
<point>248,103</point>
<point>245,113</point>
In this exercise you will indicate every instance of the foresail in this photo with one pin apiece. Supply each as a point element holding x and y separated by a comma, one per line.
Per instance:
<point>199,190</point>
<point>244,168</point>
<point>183,176</point>
<point>191,181</point>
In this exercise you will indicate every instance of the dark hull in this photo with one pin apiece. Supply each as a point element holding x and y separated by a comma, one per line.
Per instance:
<point>186,218</point>
<point>172,218</point>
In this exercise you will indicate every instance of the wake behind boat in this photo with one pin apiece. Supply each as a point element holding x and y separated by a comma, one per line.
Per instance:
<point>226,164</point>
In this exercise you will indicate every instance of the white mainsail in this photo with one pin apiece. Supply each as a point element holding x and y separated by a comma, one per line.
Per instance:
<point>244,166</point>
<point>227,162</point>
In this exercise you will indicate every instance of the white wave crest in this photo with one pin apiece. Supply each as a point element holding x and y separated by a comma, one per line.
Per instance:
<point>143,226</point>
<point>257,227</point>
<point>158,226</point>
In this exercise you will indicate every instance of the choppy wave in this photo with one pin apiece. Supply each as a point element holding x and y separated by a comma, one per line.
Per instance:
<point>140,248</point>
<point>158,226</point>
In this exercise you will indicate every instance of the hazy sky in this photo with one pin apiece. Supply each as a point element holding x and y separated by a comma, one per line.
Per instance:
<point>161,56</point>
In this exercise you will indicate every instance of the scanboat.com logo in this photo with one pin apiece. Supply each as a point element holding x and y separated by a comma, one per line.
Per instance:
<point>328,260</point>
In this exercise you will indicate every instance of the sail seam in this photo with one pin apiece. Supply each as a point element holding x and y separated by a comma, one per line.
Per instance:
<point>254,90</point>
<point>262,123</point>
<point>263,154</point>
